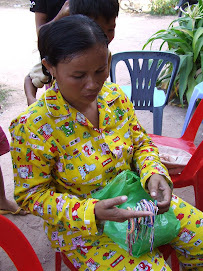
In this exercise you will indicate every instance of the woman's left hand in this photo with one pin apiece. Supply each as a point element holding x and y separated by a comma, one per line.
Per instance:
<point>160,191</point>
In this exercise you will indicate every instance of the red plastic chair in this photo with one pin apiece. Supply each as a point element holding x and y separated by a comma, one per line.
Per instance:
<point>193,171</point>
<point>189,175</point>
<point>59,256</point>
<point>18,248</point>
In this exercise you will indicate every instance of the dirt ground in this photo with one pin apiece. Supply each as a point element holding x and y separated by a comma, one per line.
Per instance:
<point>18,54</point>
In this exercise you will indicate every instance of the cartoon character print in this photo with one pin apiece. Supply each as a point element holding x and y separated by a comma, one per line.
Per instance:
<point>106,120</point>
<point>119,114</point>
<point>54,236</point>
<point>199,223</point>
<point>54,106</point>
<point>75,212</point>
<point>44,175</point>
<point>127,134</point>
<point>61,241</point>
<point>70,166</point>
<point>83,251</point>
<point>20,139</point>
<point>25,172</point>
<point>88,149</point>
<point>59,166</point>
<point>77,263</point>
<point>77,242</point>
<point>33,136</point>
<point>118,151</point>
<point>80,118</point>
<point>105,148</point>
<point>144,265</point>
<point>186,235</point>
<point>39,208</point>
<point>85,169</point>
<point>67,208</point>
<point>45,130</point>
<point>86,135</point>
<point>108,255</point>
<point>130,150</point>
<point>60,202</point>
<point>68,128</point>
<point>31,156</point>
<point>24,118</point>
<point>92,265</point>
<point>77,153</point>
<point>53,147</point>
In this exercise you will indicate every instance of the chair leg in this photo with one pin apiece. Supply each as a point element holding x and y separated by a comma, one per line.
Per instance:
<point>189,113</point>
<point>174,261</point>
<point>57,261</point>
<point>157,120</point>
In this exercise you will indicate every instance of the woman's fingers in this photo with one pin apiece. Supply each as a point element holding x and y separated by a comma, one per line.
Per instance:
<point>107,210</point>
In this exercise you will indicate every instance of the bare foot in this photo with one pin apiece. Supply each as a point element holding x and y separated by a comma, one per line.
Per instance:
<point>12,206</point>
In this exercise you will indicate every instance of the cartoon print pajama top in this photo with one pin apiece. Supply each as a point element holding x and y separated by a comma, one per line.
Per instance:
<point>59,159</point>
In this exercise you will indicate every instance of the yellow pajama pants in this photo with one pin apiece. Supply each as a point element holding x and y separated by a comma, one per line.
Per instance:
<point>109,256</point>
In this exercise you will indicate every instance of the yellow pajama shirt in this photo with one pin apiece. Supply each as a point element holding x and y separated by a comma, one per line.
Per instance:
<point>60,159</point>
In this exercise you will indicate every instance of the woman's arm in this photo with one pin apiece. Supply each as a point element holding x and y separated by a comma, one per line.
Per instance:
<point>36,179</point>
<point>41,18</point>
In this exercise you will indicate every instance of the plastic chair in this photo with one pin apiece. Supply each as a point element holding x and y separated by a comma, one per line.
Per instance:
<point>142,91</point>
<point>18,248</point>
<point>191,175</point>
<point>197,94</point>
<point>59,256</point>
<point>193,171</point>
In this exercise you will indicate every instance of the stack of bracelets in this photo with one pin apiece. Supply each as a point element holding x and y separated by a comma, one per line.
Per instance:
<point>140,226</point>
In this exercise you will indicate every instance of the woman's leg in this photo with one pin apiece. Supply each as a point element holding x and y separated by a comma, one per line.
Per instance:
<point>189,243</point>
<point>5,204</point>
<point>109,256</point>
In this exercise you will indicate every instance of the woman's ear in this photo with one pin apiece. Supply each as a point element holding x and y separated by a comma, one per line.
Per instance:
<point>48,66</point>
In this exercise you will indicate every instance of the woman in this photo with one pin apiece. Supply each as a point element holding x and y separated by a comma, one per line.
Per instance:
<point>74,140</point>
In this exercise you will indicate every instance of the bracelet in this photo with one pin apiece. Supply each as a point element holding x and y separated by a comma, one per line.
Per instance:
<point>141,227</point>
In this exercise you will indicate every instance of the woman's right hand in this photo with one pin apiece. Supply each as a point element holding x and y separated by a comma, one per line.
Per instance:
<point>107,210</point>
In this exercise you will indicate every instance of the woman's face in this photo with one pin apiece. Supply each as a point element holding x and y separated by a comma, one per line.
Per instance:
<point>81,78</point>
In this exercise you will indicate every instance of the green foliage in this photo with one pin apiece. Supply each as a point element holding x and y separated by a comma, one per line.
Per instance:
<point>184,37</point>
<point>163,7</point>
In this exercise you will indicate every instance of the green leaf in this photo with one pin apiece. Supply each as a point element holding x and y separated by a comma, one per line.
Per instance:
<point>197,49</point>
<point>191,84</point>
<point>186,31</point>
<point>198,33</point>
<point>184,72</point>
<point>201,56</point>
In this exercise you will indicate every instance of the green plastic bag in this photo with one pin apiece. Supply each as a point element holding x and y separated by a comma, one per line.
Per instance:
<point>166,225</point>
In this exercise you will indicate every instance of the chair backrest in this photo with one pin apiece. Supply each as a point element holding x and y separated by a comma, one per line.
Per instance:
<point>18,248</point>
<point>144,75</point>
<point>194,123</point>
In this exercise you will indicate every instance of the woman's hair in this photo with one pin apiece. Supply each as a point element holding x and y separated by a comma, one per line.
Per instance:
<point>108,9</point>
<point>68,37</point>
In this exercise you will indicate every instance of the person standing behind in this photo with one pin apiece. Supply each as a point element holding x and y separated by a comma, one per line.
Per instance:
<point>104,12</point>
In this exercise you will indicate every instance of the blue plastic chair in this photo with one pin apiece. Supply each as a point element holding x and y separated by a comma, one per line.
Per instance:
<point>197,94</point>
<point>142,91</point>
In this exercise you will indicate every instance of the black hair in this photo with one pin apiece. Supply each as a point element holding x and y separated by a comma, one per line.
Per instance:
<point>107,9</point>
<point>67,37</point>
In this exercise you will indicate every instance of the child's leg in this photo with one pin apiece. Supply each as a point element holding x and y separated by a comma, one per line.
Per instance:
<point>5,204</point>
<point>189,243</point>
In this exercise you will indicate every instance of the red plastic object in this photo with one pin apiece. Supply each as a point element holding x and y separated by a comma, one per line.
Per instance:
<point>59,256</point>
<point>18,248</point>
<point>193,171</point>
<point>189,176</point>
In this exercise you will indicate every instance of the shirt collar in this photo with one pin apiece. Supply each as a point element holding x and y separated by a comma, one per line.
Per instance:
<point>58,107</point>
